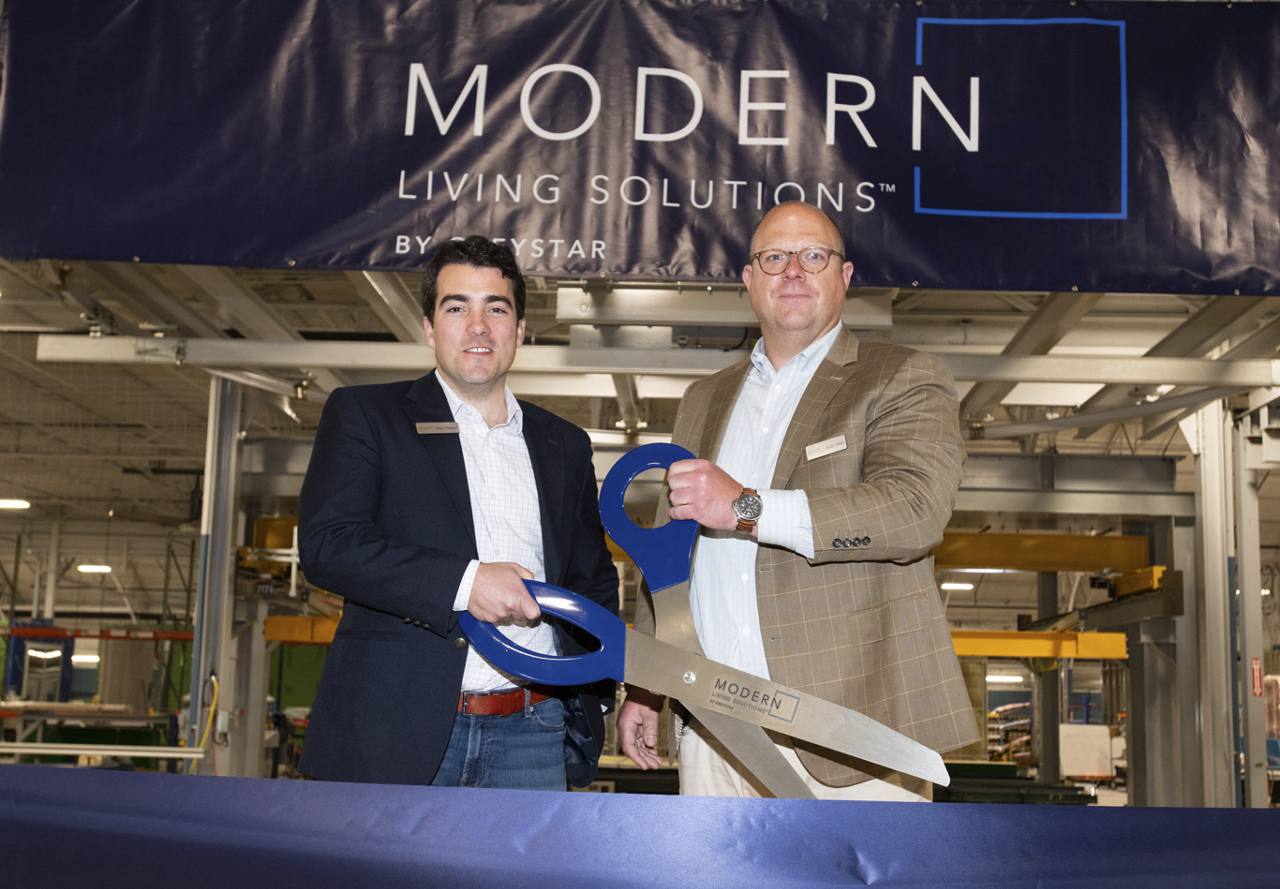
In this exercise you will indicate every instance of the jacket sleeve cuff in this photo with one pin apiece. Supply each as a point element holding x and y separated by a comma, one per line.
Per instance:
<point>786,521</point>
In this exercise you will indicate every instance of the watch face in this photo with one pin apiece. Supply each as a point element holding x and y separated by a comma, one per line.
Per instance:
<point>748,506</point>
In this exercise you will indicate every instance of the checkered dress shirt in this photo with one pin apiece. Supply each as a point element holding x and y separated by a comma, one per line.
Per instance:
<point>504,511</point>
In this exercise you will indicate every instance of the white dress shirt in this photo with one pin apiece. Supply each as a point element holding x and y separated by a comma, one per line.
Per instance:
<point>504,511</point>
<point>722,590</point>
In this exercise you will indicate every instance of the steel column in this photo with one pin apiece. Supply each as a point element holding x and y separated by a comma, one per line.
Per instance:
<point>51,575</point>
<point>1208,434</point>
<point>12,580</point>
<point>217,548</point>
<point>1190,774</point>
<point>1152,741</point>
<point>1248,600</point>
<point>244,664</point>
<point>1048,692</point>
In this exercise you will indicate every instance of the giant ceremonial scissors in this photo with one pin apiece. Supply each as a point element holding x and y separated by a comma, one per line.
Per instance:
<point>733,705</point>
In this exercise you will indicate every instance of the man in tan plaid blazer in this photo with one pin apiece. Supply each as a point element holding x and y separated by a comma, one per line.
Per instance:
<point>848,612</point>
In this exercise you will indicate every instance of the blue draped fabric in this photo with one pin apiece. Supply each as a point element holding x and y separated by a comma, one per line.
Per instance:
<point>78,827</point>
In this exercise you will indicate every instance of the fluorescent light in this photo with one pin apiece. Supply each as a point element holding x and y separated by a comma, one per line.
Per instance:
<point>85,659</point>
<point>15,503</point>
<point>952,585</point>
<point>44,654</point>
<point>1266,592</point>
<point>1004,678</point>
<point>983,571</point>
<point>89,568</point>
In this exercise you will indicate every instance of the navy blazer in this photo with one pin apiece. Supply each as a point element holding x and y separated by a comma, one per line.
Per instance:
<point>385,522</point>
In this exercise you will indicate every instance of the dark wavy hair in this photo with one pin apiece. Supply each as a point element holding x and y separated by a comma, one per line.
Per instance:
<point>476,251</point>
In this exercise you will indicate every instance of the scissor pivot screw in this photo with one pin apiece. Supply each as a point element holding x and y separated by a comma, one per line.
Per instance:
<point>690,677</point>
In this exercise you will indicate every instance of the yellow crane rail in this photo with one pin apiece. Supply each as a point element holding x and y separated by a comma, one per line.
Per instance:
<point>1042,552</point>
<point>968,643</point>
<point>1029,644</point>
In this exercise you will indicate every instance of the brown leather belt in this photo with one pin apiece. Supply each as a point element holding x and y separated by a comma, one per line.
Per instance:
<point>499,703</point>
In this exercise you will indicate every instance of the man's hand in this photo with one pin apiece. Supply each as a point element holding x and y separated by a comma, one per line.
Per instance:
<point>702,491</point>
<point>498,594</point>
<point>638,727</point>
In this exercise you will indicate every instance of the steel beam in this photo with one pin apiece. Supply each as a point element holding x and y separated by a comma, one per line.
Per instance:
<point>392,302</point>
<point>1096,369</point>
<point>699,306</point>
<point>1195,336</point>
<point>252,316</point>
<point>1115,614</point>
<point>628,403</point>
<point>1095,419</point>
<point>137,288</point>
<point>992,483</point>
<point>1262,343</point>
<point>1056,316</point>
<point>1076,503</point>
<point>1244,374</point>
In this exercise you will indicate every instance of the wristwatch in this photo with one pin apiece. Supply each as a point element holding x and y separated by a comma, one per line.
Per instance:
<point>747,508</point>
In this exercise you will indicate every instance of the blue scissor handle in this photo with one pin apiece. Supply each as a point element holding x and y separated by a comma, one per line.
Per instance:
<point>607,662</point>
<point>663,554</point>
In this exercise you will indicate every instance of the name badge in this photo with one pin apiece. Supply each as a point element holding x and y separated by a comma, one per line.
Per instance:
<point>436,428</point>
<point>822,448</point>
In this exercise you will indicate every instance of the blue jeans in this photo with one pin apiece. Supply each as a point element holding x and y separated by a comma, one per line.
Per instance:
<point>524,750</point>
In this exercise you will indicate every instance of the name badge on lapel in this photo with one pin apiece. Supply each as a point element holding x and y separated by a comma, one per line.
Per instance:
<point>822,448</point>
<point>436,428</point>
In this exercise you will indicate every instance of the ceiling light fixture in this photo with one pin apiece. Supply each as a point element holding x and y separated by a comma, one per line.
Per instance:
<point>90,568</point>
<point>1004,678</point>
<point>954,585</point>
<point>15,503</point>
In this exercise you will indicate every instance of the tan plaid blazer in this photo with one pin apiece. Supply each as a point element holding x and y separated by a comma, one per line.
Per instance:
<point>860,624</point>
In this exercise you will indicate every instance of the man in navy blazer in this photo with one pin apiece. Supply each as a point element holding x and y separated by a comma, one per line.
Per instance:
<point>428,497</point>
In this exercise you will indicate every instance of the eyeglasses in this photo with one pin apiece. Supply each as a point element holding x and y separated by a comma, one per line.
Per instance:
<point>774,261</point>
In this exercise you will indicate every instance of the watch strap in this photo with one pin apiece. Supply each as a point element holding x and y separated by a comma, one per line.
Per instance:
<point>746,526</point>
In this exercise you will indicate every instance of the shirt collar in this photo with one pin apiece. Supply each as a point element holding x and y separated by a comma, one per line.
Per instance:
<point>804,361</point>
<point>466,413</point>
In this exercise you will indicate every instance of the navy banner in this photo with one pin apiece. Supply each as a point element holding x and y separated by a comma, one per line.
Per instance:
<point>1036,146</point>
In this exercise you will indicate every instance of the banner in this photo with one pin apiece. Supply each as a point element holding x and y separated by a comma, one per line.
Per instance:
<point>984,145</point>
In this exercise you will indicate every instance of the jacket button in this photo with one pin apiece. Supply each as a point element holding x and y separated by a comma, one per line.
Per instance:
<point>408,620</point>
<point>460,642</point>
<point>425,625</point>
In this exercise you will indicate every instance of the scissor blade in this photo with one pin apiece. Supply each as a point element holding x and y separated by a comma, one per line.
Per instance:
<point>755,750</point>
<point>699,682</point>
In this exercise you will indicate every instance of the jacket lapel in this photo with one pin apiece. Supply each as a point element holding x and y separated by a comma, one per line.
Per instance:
<point>425,403</point>
<point>546,454</point>
<point>721,401</point>
<point>831,374</point>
